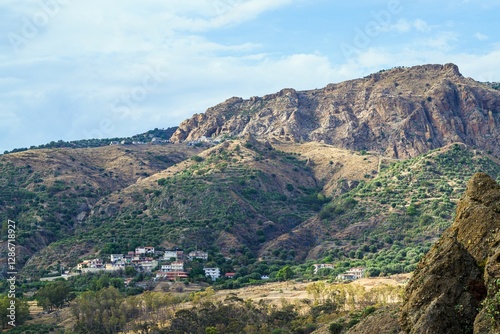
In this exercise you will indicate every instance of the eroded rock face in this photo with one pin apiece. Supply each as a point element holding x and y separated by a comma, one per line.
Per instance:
<point>446,292</point>
<point>401,113</point>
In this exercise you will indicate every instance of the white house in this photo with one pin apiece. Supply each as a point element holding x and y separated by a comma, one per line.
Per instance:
<point>148,265</point>
<point>169,254</point>
<point>174,266</point>
<point>116,257</point>
<point>145,250</point>
<point>214,273</point>
<point>352,274</point>
<point>93,263</point>
<point>198,255</point>
<point>319,266</point>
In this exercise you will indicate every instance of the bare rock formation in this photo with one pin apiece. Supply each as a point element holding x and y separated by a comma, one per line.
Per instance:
<point>400,113</point>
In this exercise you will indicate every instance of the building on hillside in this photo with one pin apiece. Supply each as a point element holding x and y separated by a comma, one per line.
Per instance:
<point>229,275</point>
<point>352,274</point>
<point>171,267</point>
<point>147,264</point>
<point>214,273</point>
<point>116,257</point>
<point>93,263</point>
<point>144,250</point>
<point>114,266</point>
<point>319,266</point>
<point>173,254</point>
<point>171,275</point>
<point>198,255</point>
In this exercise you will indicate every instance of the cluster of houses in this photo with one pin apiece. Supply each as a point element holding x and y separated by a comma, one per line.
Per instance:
<point>205,140</point>
<point>173,268</point>
<point>171,263</point>
<point>141,259</point>
<point>154,141</point>
<point>159,141</point>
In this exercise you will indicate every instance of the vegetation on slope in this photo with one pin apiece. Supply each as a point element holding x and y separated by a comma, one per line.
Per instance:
<point>50,192</point>
<point>389,221</point>
<point>162,134</point>
<point>230,201</point>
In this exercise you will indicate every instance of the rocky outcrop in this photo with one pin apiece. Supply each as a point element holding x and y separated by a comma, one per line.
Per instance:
<point>459,274</point>
<point>400,113</point>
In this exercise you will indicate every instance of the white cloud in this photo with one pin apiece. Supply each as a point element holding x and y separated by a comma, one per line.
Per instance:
<point>421,25</point>
<point>442,41</point>
<point>404,25</point>
<point>480,36</point>
<point>69,81</point>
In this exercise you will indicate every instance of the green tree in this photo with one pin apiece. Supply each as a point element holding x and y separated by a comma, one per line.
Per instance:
<point>130,271</point>
<point>211,330</point>
<point>284,273</point>
<point>53,295</point>
<point>411,210</point>
<point>99,312</point>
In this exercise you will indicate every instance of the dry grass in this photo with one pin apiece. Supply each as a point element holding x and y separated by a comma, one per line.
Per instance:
<point>331,164</point>
<point>273,293</point>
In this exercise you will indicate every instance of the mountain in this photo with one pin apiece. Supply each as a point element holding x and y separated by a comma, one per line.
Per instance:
<point>400,113</point>
<point>366,172</point>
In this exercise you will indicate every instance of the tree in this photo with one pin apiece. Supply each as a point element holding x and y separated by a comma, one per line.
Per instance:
<point>54,295</point>
<point>284,273</point>
<point>211,330</point>
<point>99,312</point>
<point>130,271</point>
<point>411,210</point>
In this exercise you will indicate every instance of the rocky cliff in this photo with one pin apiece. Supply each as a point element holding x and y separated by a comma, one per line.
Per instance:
<point>455,288</point>
<point>400,113</point>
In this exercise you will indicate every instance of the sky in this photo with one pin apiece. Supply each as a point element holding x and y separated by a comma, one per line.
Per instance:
<point>74,69</point>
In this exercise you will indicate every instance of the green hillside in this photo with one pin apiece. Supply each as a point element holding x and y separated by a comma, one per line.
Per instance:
<point>231,200</point>
<point>389,221</point>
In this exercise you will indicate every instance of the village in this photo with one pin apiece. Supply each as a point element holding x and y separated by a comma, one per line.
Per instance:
<point>173,265</point>
<point>159,141</point>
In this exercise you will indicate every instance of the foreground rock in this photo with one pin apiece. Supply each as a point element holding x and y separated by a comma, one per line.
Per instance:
<point>458,275</point>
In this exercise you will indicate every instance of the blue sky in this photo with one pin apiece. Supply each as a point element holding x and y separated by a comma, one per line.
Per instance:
<point>79,69</point>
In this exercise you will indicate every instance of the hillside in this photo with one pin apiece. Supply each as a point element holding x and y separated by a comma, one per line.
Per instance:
<point>50,192</point>
<point>455,288</point>
<point>408,203</point>
<point>363,172</point>
<point>400,113</point>
<point>143,138</point>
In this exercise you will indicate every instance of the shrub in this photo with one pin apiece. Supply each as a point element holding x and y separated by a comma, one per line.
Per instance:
<point>335,328</point>
<point>197,158</point>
